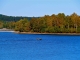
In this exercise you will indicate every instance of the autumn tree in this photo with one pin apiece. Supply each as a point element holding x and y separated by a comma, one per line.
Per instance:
<point>23,25</point>
<point>75,18</point>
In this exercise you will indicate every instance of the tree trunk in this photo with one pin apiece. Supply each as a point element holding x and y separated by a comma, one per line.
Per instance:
<point>76,28</point>
<point>68,26</point>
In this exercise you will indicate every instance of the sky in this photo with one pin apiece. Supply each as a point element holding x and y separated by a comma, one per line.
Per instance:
<point>38,8</point>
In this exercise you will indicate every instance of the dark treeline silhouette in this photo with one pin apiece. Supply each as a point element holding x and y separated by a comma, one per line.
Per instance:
<point>59,23</point>
<point>13,18</point>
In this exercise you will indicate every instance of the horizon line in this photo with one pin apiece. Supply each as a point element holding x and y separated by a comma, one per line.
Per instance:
<point>37,16</point>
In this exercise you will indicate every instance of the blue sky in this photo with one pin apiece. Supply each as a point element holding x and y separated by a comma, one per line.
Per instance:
<point>38,7</point>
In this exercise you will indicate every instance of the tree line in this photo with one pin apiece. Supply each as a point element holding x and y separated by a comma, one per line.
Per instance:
<point>59,23</point>
<point>13,18</point>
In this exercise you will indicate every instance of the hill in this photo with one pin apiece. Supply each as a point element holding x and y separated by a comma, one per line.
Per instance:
<point>12,18</point>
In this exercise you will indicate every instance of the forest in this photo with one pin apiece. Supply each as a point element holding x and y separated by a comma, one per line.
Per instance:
<point>55,23</point>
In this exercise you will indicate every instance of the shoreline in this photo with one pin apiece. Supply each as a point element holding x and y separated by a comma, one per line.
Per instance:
<point>9,30</point>
<point>46,33</point>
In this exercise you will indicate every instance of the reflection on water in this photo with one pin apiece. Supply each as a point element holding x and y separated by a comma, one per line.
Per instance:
<point>27,47</point>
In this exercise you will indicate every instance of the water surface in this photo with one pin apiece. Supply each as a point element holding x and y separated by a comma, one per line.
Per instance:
<point>26,47</point>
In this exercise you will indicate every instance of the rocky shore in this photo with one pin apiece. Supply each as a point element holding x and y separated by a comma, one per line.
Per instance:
<point>5,29</point>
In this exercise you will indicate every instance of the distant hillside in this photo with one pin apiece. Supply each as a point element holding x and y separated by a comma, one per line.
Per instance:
<point>12,18</point>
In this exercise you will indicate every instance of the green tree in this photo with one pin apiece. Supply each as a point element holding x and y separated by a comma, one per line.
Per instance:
<point>1,24</point>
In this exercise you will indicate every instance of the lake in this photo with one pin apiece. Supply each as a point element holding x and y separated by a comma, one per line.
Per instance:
<point>26,47</point>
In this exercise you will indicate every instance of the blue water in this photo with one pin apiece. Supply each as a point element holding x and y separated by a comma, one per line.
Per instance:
<point>25,47</point>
